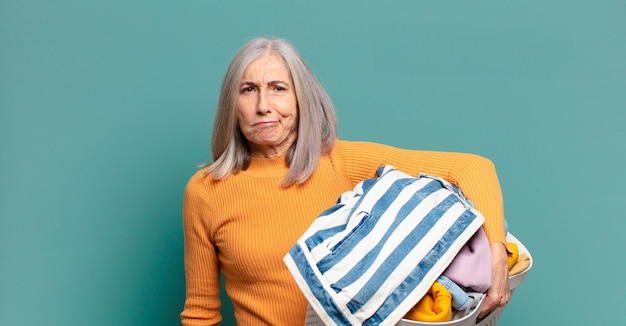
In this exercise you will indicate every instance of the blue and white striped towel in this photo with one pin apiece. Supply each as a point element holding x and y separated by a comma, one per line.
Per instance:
<point>371,257</point>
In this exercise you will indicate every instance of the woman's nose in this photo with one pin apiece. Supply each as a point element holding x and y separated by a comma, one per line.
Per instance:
<point>262,102</point>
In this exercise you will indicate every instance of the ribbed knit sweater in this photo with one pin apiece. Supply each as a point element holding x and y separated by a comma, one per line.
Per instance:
<point>245,224</point>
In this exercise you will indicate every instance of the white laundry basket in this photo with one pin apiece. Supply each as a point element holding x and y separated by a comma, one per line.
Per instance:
<point>313,319</point>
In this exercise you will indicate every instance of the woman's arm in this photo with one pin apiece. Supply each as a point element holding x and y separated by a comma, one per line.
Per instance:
<point>476,177</point>
<point>498,294</point>
<point>202,273</point>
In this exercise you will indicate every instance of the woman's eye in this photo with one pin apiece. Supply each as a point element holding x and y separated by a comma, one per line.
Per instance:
<point>247,89</point>
<point>279,88</point>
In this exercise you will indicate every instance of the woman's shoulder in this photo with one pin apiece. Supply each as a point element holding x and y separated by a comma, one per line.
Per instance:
<point>342,145</point>
<point>358,160</point>
<point>198,180</point>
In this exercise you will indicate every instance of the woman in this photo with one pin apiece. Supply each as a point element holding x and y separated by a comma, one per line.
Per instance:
<point>277,165</point>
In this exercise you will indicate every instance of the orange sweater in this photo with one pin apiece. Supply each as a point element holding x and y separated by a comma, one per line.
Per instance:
<point>245,224</point>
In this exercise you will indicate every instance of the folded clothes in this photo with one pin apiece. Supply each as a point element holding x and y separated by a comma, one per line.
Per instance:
<point>471,267</point>
<point>369,259</point>
<point>435,306</point>
<point>513,253</point>
<point>460,299</point>
<point>522,264</point>
<point>475,298</point>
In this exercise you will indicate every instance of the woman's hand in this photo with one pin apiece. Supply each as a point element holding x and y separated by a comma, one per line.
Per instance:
<point>498,294</point>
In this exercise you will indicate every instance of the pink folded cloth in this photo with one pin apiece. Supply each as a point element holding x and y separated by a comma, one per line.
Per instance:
<point>471,268</point>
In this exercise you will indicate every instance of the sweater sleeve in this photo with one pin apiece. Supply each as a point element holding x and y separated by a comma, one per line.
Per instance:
<point>202,274</point>
<point>474,175</point>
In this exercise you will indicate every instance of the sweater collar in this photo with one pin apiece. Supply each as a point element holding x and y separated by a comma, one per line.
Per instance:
<point>267,167</point>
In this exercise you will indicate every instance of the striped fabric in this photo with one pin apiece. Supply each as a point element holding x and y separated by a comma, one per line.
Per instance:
<point>368,259</point>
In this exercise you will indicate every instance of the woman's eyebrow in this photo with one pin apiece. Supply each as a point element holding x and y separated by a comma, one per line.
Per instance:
<point>271,82</point>
<point>278,82</point>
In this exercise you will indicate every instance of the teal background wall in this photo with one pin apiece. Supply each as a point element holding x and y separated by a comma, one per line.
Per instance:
<point>106,110</point>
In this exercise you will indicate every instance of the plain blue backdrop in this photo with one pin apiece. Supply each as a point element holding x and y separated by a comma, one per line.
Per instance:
<point>106,110</point>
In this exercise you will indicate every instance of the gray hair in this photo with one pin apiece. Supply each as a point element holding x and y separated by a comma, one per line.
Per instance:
<point>317,123</point>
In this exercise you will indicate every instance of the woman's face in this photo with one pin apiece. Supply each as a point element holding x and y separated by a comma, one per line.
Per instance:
<point>267,107</point>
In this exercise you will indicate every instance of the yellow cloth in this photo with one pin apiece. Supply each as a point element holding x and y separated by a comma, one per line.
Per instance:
<point>245,224</point>
<point>435,306</point>
<point>522,263</point>
<point>513,254</point>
